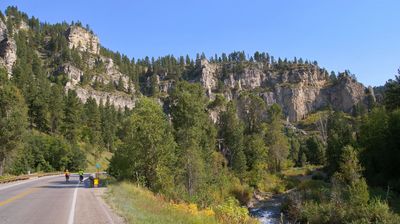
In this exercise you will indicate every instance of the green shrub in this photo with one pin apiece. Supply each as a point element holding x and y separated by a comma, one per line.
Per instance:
<point>231,212</point>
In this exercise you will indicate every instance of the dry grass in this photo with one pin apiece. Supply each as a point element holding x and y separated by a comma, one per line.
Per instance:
<point>138,205</point>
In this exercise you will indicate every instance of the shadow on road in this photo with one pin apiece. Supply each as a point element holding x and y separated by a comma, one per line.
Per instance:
<point>63,184</point>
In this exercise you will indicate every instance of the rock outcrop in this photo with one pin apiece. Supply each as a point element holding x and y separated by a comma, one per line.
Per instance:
<point>82,40</point>
<point>8,49</point>
<point>112,74</point>
<point>299,91</point>
<point>118,99</point>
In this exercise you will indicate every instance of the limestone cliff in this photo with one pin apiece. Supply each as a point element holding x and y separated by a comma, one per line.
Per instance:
<point>82,40</point>
<point>300,90</point>
<point>8,49</point>
<point>119,99</point>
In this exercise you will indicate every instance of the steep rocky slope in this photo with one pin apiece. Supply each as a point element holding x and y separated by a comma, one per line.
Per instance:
<point>8,48</point>
<point>300,89</point>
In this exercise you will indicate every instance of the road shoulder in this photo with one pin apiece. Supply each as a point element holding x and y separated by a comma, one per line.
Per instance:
<point>91,208</point>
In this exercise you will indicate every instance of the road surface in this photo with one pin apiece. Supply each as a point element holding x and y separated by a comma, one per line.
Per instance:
<point>52,200</point>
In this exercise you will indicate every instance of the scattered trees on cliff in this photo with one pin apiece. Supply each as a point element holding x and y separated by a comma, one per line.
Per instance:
<point>13,118</point>
<point>392,92</point>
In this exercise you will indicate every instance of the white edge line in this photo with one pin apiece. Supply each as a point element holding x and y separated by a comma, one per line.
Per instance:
<point>72,211</point>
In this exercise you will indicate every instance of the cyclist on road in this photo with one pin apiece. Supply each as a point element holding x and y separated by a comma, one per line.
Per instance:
<point>80,175</point>
<point>66,176</point>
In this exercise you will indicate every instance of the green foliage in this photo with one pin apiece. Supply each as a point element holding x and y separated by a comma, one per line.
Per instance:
<point>48,153</point>
<point>194,134</point>
<point>347,200</point>
<point>92,129</point>
<point>231,212</point>
<point>72,111</point>
<point>257,158</point>
<point>339,135</point>
<point>349,167</point>
<point>315,151</point>
<point>219,101</point>
<point>148,151</point>
<point>231,133</point>
<point>56,109</point>
<point>13,120</point>
<point>379,137</point>
<point>392,92</point>
<point>109,124</point>
<point>253,112</point>
<point>140,206</point>
<point>278,146</point>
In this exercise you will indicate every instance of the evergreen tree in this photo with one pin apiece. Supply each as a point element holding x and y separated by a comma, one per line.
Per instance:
<point>315,151</point>
<point>56,106</point>
<point>231,132</point>
<point>194,134</point>
<point>13,119</point>
<point>72,115</point>
<point>392,93</point>
<point>339,135</point>
<point>93,121</point>
<point>108,125</point>
<point>121,84</point>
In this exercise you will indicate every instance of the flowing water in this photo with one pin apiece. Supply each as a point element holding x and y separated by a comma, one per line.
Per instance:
<point>269,211</point>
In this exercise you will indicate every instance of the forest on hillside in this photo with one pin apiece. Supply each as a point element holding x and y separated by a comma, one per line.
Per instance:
<point>179,152</point>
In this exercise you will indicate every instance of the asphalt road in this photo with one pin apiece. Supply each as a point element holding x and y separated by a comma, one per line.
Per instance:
<point>52,200</point>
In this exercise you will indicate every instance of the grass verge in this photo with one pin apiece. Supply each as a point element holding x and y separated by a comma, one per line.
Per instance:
<point>138,205</point>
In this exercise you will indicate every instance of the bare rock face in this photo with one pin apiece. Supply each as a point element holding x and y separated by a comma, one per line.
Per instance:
<point>346,93</point>
<point>118,99</point>
<point>208,78</point>
<point>81,39</point>
<point>74,74</point>
<point>102,70</point>
<point>299,91</point>
<point>3,30</point>
<point>8,49</point>
<point>112,74</point>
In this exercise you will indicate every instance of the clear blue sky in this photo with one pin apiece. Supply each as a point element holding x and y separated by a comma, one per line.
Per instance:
<point>360,35</point>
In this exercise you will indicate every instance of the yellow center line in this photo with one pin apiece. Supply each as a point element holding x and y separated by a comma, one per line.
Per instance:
<point>18,196</point>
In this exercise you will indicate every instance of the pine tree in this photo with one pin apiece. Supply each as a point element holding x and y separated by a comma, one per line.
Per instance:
<point>72,117</point>
<point>194,134</point>
<point>56,106</point>
<point>392,92</point>
<point>92,121</point>
<point>315,151</point>
<point>108,125</point>
<point>13,119</point>
<point>339,135</point>
<point>231,132</point>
